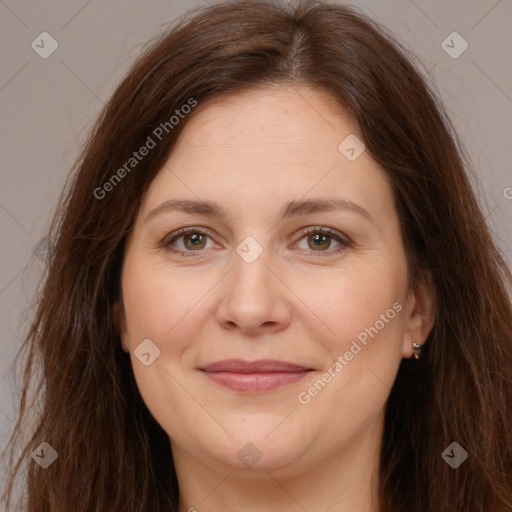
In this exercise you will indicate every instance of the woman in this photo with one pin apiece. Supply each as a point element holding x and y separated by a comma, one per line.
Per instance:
<point>271,287</point>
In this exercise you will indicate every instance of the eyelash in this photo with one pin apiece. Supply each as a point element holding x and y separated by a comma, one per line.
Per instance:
<point>314,230</point>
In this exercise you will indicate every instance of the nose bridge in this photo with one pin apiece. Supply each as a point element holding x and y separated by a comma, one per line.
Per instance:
<point>251,262</point>
<point>253,297</point>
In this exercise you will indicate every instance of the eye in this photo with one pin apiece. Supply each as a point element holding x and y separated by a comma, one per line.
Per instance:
<point>194,240</point>
<point>319,240</point>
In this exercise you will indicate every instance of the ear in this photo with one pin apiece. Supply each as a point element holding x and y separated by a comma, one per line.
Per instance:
<point>120,325</point>
<point>420,313</point>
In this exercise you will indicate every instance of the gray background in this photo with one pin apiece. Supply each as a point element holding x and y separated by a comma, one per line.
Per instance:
<point>47,105</point>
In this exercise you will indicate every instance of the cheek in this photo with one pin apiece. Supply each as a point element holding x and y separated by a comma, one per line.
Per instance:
<point>353,302</point>
<point>365,311</point>
<point>160,302</point>
<point>160,307</point>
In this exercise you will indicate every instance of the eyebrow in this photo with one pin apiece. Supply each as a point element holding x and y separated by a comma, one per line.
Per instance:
<point>290,209</point>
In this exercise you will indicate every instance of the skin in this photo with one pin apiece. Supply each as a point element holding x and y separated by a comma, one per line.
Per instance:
<point>252,153</point>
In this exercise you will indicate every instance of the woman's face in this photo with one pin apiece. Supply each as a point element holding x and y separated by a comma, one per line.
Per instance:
<point>332,310</point>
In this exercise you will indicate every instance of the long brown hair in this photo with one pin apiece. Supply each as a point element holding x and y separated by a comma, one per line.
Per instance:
<point>112,455</point>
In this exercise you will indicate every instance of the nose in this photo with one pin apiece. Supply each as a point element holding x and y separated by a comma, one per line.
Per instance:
<point>254,298</point>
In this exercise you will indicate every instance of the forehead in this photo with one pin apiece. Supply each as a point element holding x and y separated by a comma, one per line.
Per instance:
<point>277,115</point>
<point>277,144</point>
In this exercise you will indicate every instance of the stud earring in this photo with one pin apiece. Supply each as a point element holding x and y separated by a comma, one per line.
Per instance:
<point>417,350</point>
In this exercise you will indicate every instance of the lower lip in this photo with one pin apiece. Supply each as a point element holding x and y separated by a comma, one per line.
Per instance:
<point>255,382</point>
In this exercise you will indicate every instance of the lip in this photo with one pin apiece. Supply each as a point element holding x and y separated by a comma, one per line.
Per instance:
<point>254,376</point>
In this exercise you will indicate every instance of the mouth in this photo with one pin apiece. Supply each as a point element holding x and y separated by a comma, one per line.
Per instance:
<point>254,376</point>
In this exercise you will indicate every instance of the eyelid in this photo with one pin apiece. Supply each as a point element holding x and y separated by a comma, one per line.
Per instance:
<point>323,230</point>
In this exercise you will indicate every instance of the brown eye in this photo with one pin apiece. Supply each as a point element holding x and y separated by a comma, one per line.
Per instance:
<point>194,241</point>
<point>319,240</point>
<point>186,241</point>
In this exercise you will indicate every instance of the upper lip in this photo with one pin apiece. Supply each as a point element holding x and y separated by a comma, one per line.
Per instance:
<point>260,366</point>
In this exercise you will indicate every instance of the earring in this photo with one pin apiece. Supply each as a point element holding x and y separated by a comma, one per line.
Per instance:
<point>417,350</point>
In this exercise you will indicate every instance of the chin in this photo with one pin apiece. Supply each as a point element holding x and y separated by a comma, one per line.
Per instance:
<point>256,450</point>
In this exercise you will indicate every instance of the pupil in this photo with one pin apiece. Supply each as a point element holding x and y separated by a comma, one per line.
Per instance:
<point>319,239</point>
